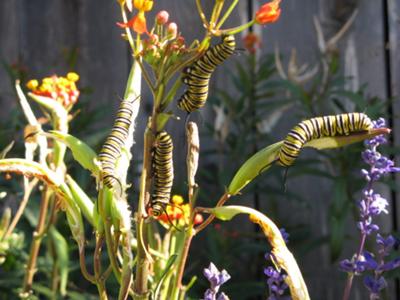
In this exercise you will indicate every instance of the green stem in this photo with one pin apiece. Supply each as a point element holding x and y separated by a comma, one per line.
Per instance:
<point>201,13</point>
<point>99,278</point>
<point>216,13</point>
<point>238,29</point>
<point>104,205</point>
<point>227,14</point>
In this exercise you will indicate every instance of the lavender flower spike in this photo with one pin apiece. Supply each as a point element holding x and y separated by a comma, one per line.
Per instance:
<point>216,279</point>
<point>371,205</point>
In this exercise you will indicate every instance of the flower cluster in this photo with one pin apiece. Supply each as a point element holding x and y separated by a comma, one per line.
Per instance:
<point>216,279</point>
<point>164,41</point>
<point>61,89</point>
<point>178,214</point>
<point>276,283</point>
<point>371,205</point>
<point>276,279</point>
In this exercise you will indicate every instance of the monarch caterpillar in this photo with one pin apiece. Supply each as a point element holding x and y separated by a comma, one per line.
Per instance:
<point>111,149</point>
<point>314,128</point>
<point>197,76</point>
<point>163,173</point>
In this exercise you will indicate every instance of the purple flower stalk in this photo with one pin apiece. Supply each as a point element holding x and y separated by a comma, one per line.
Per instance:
<point>276,284</point>
<point>216,279</point>
<point>371,205</point>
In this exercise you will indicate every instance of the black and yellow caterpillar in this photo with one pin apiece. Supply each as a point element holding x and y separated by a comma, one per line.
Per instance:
<point>163,173</point>
<point>314,128</point>
<point>112,147</point>
<point>197,76</point>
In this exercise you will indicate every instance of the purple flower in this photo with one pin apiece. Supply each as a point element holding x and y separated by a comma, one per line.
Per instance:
<point>276,283</point>
<point>216,279</point>
<point>285,235</point>
<point>385,245</point>
<point>375,285</point>
<point>371,205</point>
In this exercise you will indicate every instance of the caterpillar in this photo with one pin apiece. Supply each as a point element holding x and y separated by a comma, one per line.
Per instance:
<point>314,128</point>
<point>163,173</point>
<point>197,76</point>
<point>112,147</point>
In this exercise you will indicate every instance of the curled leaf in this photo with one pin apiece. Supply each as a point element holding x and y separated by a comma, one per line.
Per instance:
<point>283,258</point>
<point>341,141</point>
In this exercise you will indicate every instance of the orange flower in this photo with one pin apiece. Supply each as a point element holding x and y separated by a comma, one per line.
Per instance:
<point>268,13</point>
<point>251,42</point>
<point>138,23</point>
<point>178,213</point>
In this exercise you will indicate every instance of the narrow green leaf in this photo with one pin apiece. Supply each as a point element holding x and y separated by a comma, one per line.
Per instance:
<point>168,267</point>
<point>81,199</point>
<point>61,246</point>
<point>81,152</point>
<point>255,165</point>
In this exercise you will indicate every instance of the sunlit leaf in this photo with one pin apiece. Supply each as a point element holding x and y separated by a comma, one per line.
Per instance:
<point>81,152</point>
<point>255,165</point>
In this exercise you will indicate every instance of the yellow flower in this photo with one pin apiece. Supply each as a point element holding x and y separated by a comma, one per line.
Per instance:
<point>143,5</point>
<point>32,84</point>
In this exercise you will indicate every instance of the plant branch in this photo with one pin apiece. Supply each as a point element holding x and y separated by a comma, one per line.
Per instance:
<point>211,217</point>
<point>36,242</point>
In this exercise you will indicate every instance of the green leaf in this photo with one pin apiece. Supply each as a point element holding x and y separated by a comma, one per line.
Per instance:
<point>226,213</point>
<point>168,267</point>
<point>61,246</point>
<point>341,141</point>
<point>81,152</point>
<point>255,165</point>
<point>81,199</point>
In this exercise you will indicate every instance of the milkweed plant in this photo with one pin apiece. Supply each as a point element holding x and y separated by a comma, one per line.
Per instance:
<point>146,248</point>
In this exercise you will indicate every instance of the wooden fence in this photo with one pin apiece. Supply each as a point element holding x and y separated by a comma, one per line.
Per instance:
<point>41,37</point>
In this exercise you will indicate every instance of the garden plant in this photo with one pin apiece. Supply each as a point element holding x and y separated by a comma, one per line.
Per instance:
<point>142,244</point>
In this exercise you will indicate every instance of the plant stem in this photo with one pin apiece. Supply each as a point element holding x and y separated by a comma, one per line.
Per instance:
<point>201,13</point>
<point>227,14</point>
<point>22,205</point>
<point>216,13</point>
<point>211,217</point>
<point>142,266</point>
<point>36,241</point>
<point>99,278</point>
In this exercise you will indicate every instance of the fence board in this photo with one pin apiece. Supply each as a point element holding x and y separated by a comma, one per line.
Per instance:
<point>40,34</point>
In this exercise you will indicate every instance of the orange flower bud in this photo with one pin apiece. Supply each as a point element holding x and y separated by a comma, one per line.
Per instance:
<point>268,13</point>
